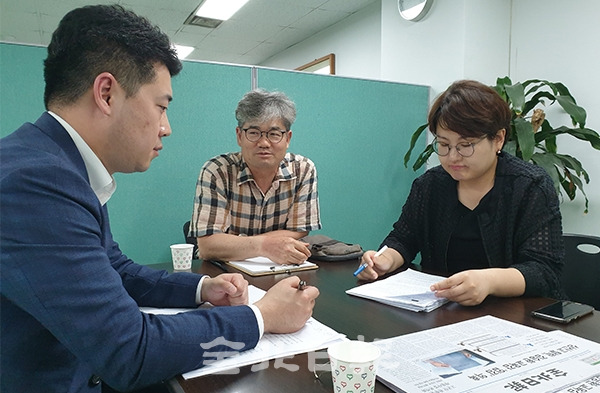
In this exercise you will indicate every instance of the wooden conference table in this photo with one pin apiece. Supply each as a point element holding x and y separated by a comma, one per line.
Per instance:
<point>363,319</point>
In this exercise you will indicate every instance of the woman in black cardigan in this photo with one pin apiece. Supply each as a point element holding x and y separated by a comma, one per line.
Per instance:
<point>485,218</point>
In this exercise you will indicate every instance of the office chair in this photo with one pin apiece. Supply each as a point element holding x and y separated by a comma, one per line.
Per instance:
<point>189,239</point>
<point>581,273</point>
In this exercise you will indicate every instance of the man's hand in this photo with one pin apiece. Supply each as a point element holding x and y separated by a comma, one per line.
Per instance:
<point>284,249</point>
<point>229,289</point>
<point>280,246</point>
<point>285,308</point>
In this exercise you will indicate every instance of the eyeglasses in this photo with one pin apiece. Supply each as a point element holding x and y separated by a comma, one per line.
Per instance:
<point>465,149</point>
<point>254,134</point>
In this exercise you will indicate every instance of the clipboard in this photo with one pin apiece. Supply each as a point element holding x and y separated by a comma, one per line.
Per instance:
<point>261,266</point>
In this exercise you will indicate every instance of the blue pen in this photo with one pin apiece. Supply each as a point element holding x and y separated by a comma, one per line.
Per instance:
<point>364,265</point>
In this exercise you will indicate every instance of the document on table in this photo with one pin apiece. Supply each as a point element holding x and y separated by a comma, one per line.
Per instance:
<point>313,336</point>
<point>408,289</point>
<point>261,266</point>
<point>489,354</point>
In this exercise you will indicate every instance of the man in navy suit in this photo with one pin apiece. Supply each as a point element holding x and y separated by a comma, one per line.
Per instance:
<point>70,298</point>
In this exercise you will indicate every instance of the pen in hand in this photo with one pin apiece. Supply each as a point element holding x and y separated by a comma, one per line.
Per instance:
<point>301,285</point>
<point>364,265</point>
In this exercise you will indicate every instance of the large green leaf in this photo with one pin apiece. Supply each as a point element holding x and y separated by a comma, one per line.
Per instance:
<point>579,186</point>
<point>535,82</point>
<point>413,142</point>
<point>423,157</point>
<point>563,90</point>
<point>549,163</point>
<point>538,84</point>
<point>559,168</point>
<point>568,185</point>
<point>534,85</point>
<point>503,81</point>
<point>574,164</point>
<point>576,112</point>
<point>550,144</point>
<point>510,147</point>
<point>537,100</point>
<point>544,132</point>
<point>500,87</point>
<point>525,137</point>
<point>516,95</point>
<point>585,134</point>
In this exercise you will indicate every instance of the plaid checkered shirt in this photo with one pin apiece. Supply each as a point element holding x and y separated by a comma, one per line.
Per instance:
<point>229,201</point>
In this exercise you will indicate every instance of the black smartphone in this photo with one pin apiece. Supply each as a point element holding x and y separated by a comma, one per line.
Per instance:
<point>563,311</point>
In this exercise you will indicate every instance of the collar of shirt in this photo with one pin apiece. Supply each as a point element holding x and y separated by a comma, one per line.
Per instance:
<point>102,183</point>
<point>283,172</point>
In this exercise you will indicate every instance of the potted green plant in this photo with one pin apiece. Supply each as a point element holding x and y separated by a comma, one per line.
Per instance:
<point>532,137</point>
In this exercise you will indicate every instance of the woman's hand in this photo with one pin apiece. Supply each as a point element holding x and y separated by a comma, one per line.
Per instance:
<point>471,287</point>
<point>377,266</point>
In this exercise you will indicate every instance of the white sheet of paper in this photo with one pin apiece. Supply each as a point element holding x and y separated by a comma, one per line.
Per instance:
<point>263,264</point>
<point>408,289</point>
<point>313,336</point>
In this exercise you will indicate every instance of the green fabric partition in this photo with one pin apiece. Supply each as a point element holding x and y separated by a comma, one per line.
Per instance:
<point>148,210</point>
<point>21,85</point>
<point>356,132</point>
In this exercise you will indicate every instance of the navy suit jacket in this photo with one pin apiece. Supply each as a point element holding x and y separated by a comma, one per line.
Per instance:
<point>70,298</point>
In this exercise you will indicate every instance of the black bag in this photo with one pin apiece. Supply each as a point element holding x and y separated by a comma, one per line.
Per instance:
<point>326,249</point>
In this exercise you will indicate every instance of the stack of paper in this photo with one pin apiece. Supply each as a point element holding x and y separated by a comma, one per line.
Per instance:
<point>260,266</point>
<point>408,289</point>
<point>313,336</point>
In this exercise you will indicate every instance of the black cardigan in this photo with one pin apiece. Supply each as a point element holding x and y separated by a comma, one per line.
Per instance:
<point>519,219</point>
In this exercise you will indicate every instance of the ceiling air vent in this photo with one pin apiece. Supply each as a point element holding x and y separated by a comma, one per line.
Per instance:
<point>195,20</point>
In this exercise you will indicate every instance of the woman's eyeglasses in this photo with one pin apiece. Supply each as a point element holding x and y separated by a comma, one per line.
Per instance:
<point>465,149</point>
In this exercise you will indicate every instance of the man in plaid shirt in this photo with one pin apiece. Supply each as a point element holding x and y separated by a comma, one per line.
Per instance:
<point>261,200</point>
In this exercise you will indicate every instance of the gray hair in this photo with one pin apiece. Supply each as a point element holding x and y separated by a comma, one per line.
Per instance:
<point>261,105</point>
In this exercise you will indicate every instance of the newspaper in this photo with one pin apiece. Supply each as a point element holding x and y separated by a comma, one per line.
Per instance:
<point>488,354</point>
<point>408,289</point>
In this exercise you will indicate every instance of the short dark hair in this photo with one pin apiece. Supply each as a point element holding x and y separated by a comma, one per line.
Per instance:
<point>104,38</point>
<point>470,109</point>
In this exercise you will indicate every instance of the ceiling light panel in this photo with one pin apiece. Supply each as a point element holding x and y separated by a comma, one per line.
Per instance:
<point>219,9</point>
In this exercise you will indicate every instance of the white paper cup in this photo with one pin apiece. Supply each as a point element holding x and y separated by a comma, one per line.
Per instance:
<point>353,366</point>
<point>182,256</point>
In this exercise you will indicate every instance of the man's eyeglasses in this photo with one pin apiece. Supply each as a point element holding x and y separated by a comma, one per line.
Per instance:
<point>254,134</point>
<point>465,149</point>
